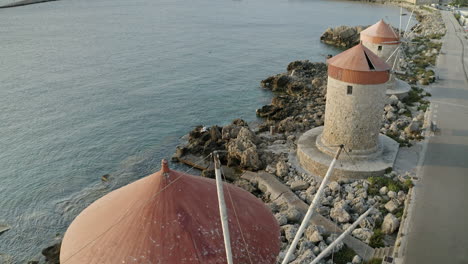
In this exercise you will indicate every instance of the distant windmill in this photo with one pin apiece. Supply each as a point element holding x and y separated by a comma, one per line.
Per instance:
<point>381,39</point>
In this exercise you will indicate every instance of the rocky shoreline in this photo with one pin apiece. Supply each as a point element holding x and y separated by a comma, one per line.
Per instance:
<point>299,105</point>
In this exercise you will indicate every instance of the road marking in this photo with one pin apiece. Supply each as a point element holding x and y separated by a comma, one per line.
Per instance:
<point>452,104</point>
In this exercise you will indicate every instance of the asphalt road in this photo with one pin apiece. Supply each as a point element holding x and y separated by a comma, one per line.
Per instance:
<point>438,229</point>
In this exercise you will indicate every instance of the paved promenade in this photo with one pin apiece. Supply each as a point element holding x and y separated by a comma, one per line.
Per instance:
<point>438,230</point>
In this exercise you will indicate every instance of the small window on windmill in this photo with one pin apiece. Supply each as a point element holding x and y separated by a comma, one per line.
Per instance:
<point>379,48</point>
<point>349,90</point>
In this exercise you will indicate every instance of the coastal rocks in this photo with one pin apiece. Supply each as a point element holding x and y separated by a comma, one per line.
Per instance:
<point>342,36</point>
<point>299,185</point>
<point>391,206</point>
<point>52,254</point>
<point>242,151</point>
<point>282,169</point>
<point>363,234</point>
<point>300,100</point>
<point>390,224</point>
<point>340,215</point>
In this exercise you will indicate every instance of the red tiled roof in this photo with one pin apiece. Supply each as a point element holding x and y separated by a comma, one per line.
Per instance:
<point>380,33</point>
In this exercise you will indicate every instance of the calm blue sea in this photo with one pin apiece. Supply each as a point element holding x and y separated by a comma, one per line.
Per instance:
<point>90,87</point>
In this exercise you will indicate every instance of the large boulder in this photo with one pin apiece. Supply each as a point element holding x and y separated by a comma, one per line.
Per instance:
<point>363,234</point>
<point>390,224</point>
<point>340,215</point>
<point>342,36</point>
<point>243,150</point>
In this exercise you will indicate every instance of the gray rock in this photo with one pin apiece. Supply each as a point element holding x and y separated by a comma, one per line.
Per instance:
<point>270,169</point>
<point>363,234</point>
<point>413,128</point>
<point>356,260</point>
<point>315,237</point>
<point>340,215</point>
<point>282,169</point>
<point>391,206</point>
<point>390,224</point>
<point>401,196</point>
<point>299,185</point>
<point>390,116</point>
<point>305,257</point>
<point>281,218</point>
<point>289,232</point>
<point>334,186</point>
<point>293,215</point>
<point>393,100</point>
<point>343,204</point>
<point>391,194</point>
<point>383,190</point>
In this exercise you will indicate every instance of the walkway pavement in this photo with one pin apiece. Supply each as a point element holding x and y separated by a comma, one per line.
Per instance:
<point>438,230</point>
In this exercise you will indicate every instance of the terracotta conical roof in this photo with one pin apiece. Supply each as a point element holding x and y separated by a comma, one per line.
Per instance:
<point>358,65</point>
<point>172,218</point>
<point>380,33</point>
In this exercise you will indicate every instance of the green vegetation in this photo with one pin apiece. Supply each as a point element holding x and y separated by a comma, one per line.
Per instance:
<point>414,95</point>
<point>394,136</point>
<point>377,182</point>
<point>427,9</point>
<point>376,239</point>
<point>459,3</point>
<point>398,212</point>
<point>374,261</point>
<point>344,256</point>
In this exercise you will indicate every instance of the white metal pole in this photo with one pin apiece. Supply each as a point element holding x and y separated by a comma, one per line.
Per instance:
<point>222,209</point>
<point>341,237</point>
<point>399,28</point>
<point>396,59</point>
<point>391,55</point>
<point>407,24</point>
<point>312,208</point>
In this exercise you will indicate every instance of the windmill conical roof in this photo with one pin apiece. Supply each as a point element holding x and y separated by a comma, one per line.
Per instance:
<point>171,217</point>
<point>381,33</point>
<point>358,58</point>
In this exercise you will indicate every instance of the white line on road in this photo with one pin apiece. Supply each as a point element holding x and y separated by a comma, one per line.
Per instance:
<point>452,104</point>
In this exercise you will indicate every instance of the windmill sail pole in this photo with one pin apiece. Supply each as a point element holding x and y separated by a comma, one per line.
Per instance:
<point>312,208</point>
<point>407,24</point>
<point>222,209</point>
<point>393,53</point>
<point>341,237</point>
<point>401,15</point>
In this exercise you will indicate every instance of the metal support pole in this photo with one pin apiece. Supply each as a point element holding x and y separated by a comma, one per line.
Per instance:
<point>222,209</point>
<point>399,27</point>
<point>341,237</point>
<point>393,53</point>
<point>407,24</point>
<point>312,208</point>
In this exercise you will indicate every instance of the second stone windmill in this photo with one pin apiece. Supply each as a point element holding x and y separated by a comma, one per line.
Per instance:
<point>381,39</point>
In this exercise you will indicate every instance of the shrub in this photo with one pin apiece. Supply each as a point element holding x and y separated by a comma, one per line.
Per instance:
<point>376,239</point>
<point>344,256</point>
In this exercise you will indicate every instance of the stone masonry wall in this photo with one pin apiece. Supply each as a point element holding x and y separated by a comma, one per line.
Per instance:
<point>353,120</point>
<point>386,51</point>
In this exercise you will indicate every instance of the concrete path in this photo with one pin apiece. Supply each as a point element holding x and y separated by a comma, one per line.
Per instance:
<point>438,229</point>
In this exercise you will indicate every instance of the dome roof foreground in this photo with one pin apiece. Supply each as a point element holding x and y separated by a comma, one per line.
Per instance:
<point>171,217</point>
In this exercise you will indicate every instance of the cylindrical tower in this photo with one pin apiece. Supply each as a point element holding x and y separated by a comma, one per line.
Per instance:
<point>382,40</point>
<point>355,101</point>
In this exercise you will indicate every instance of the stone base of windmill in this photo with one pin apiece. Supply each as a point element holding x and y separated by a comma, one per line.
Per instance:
<point>398,88</point>
<point>313,159</point>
